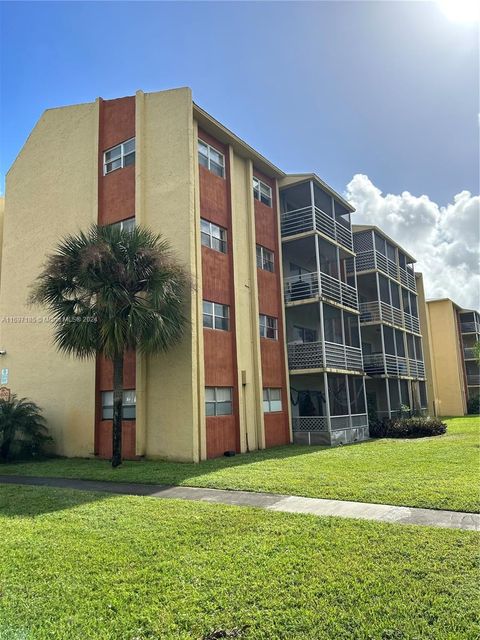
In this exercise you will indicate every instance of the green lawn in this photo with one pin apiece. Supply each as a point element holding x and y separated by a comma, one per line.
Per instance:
<point>440,472</point>
<point>82,566</point>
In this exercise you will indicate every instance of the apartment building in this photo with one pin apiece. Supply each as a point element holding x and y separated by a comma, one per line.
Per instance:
<point>390,327</point>
<point>322,317</point>
<point>470,335</point>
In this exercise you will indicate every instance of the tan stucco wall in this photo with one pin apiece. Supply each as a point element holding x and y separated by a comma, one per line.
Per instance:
<point>165,185</point>
<point>427,345</point>
<point>51,190</point>
<point>446,358</point>
<point>2,210</point>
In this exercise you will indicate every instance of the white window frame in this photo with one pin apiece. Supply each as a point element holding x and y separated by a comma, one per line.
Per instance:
<point>260,189</point>
<point>222,240</point>
<point>126,403</point>
<point>271,404</point>
<point>265,257</point>
<point>218,313</point>
<point>122,224</point>
<point>208,157</point>
<point>121,155</point>
<point>268,323</point>
<point>213,392</point>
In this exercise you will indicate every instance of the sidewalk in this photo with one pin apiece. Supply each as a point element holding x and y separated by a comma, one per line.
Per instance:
<point>270,501</point>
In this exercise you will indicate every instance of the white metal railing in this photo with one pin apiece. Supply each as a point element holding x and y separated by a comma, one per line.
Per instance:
<point>314,219</point>
<point>469,353</point>
<point>339,422</point>
<point>416,368</point>
<point>311,355</point>
<point>473,379</point>
<point>305,286</point>
<point>411,322</point>
<point>309,423</point>
<point>301,287</point>
<point>373,259</point>
<point>469,327</point>
<point>378,311</point>
<point>375,365</point>
<point>407,278</point>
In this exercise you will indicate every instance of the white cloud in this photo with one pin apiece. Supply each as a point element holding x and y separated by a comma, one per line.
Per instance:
<point>444,239</point>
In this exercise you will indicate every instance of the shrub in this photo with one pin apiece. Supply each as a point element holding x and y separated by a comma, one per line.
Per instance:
<point>473,405</point>
<point>416,427</point>
<point>23,433</point>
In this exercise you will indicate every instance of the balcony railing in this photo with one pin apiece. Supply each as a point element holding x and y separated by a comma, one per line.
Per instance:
<point>411,322</point>
<point>375,365</point>
<point>378,311</point>
<point>310,355</point>
<point>373,259</point>
<point>473,380</point>
<point>314,219</point>
<point>310,423</point>
<point>305,286</point>
<point>469,353</point>
<point>469,327</point>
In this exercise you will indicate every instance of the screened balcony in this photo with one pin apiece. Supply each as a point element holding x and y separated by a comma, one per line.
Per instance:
<point>469,322</point>
<point>328,409</point>
<point>393,397</point>
<point>306,207</point>
<point>314,268</point>
<point>374,252</point>
<point>382,300</point>
<point>391,352</point>
<point>338,347</point>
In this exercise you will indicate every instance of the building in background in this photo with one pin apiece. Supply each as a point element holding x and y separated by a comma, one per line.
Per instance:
<point>322,326</point>
<point>390,326</point>
<point>447,384</point>
<point>470,333</point>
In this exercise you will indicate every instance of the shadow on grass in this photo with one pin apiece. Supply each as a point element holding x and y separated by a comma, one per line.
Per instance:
<point>18,500</point>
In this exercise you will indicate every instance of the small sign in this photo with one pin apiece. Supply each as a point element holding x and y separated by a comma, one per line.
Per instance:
<point>4,376</point>
<point>4,394</point>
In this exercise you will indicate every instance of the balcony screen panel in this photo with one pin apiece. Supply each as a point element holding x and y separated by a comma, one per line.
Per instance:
<point>466,317</point>
<point>410,346</point>
<point>380,244</point>
<point>357,397</point>
<point>413,305</point>
<point>402,260</point>
<point>391,253</point>
<point>384,289</point>
<point>322,200</point>
<point>406,300</point>
<point>404,397</point>
<point>389,340</point>
<point>400,344</point>
<point>395,295</point>
<point>423,394</point>
<point>418,348</point>
<point>337,395</point>
<point>363,241</point>
<point>352,337</point>
<point>394,394</point>
<point>332,319</point>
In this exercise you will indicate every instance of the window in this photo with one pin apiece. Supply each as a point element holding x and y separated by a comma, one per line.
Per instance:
<point>128,405</point>
<point>262,192</point>
<point>332,322</point>
<point>211,159</point>
<point>218,401</point>
<point>268,327</point>
<point>125,225</point>
<point>304,334</point>
<point>215,316</point>
<point>264,259</point>
<point>272,400</point>
<point>213,236</point>
<point>120,156</point>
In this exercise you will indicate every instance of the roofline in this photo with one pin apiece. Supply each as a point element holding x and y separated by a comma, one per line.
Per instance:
<point>429,300</point>
<point>226,136</point>
<point>368,227</point>
<point>306,177</point>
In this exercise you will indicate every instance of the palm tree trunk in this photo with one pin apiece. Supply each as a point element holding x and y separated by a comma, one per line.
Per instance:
<point>117,410</point>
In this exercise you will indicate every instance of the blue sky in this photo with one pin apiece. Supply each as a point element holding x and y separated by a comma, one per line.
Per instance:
<point>387,89</point>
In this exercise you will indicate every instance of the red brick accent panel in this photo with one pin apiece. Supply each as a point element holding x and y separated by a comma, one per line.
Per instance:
<point>116,201</point>
<point>270,303</point>
<point>222,432</point>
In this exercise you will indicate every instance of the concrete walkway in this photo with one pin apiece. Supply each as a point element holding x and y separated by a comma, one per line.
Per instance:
<point>270,501</point>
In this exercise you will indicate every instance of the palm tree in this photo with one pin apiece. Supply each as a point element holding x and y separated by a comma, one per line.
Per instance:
<point>22,429</point>
<point>110,290</point>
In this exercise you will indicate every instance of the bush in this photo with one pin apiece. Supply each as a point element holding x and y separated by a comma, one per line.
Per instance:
<point>23,433</point>
<point>408,428</point>
<point>473,405</point>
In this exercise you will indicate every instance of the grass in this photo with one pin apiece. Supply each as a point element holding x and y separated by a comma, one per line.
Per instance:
<point>80,565</point>
<point>437,473</point>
